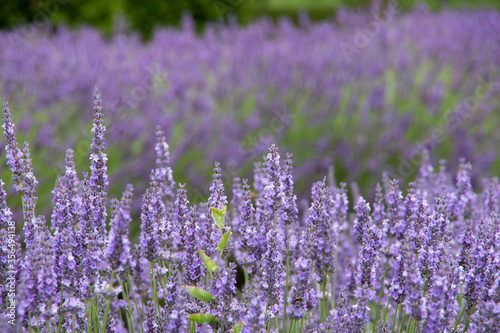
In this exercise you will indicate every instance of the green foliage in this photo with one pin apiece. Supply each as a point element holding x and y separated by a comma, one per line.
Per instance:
<point>238,327</point>
<point>202,318</point>
<point>218,216</point>
<point>223,241</point>
<point>199,293</point>
<point>207,261</point>
<point>145,16</point>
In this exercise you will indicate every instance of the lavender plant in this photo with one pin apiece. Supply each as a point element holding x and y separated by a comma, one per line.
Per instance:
<point>426,261</point>
<point>364,92</point>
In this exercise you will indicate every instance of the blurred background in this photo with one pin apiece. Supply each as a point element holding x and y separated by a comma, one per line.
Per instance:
<point>145,16</point>
<point>357,88</point>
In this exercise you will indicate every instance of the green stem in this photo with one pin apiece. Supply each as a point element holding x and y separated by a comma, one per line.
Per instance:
<point>95,315</point>
<point>135,302</point>
<point>246,278</point>
<point>60,314</point>
<point>127,298</point>
<point>467,320</point>
<point>323,307</point>
<point>381,294</point>
<point>387,307</point>
<point>335,272</point>
<point>108,302</point>
<point>265,316</point>
<point>460,316</point>
<point>403,322</point>
<point>218,262</point>
<point>394,318</point>
<point>287,273</point>
<point>153,286</point>
<point>327,298</point>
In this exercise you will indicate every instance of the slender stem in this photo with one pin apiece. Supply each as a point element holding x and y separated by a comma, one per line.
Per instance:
<point>95,315</point>
<point>287,273</point>
<point>410,325</point>
<point>126,295</point>
<point>218,262</point>
<point>460,316</point>
<point>108,301</point>
<point>153,286</point>
<point>323,304</point>
<point>467,320</point>
<point>335,272</point>
<point>60,314</point>
<point>403,322</point>
<point>382,286</point>
<point>135,302</point>
<point>327,298</point>
<point>246,277</point>
<point>394,318</point>
<point>29,325</point>
<point>387,307</point>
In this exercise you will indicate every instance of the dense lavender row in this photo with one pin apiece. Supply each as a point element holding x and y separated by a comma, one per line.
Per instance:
<point>359,93</point>
<point>424,262</point>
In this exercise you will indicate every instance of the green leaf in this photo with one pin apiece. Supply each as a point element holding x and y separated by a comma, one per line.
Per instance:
<point>209,263</point>
<point>200,294</point>
<point>223,241</point>
<point>202,318</point>
<point>238,327</point>
<point>218,215</point>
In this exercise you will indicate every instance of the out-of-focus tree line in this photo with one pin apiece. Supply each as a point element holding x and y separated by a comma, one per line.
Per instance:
<point>144,16</point>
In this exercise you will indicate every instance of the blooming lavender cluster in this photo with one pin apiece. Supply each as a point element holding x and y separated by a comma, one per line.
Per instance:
<point>424,261</point>
<point>363,92</point>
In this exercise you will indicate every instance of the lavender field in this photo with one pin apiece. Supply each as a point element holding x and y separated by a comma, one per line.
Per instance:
<point>334,176</point>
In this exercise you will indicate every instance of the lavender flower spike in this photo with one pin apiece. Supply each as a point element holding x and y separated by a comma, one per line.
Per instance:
<point>14,155</point>
<point>274,186</point>
<point>302,296</point>
<point>273,274</point>
<point>362,220</point>
<point>290,210</point>
<point>150,246</point>
<point>163,170</point>
<point>98,169</point>
<point>118,253</point>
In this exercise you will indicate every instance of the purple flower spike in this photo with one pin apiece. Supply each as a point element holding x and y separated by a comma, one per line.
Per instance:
<point>302,296</point>
<point>217,200</point>
<point>463,194</point>
<point>290,210</point>
<point>378,214</point>
<point>150,325</point>
<point>273,274</point>
<point>193,267</point>
<point>395,211</point>
<point>274,187</point>
<point>98,176</point>
<point>224,288</point>
<point>15,158</point>
<point>39,278</point>
<point>248,240</point>
<point>118,252</point>
<point>362,220</point>
<point>7,250</point>
<point>397,291</point>
<point>163,172</point>
<point>29,189</point>
<point>150,245</point>
<point>368,258</point>
<point>321,231</point>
